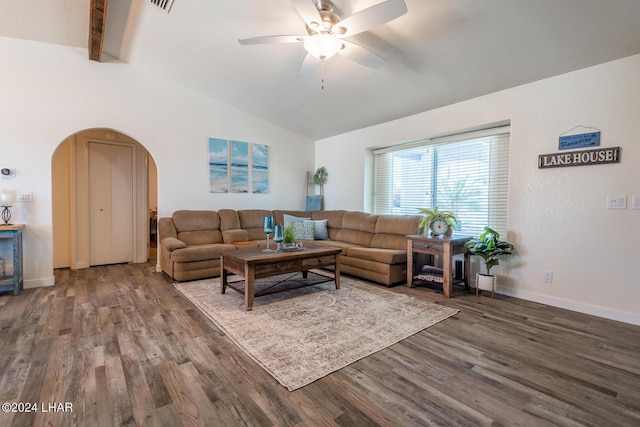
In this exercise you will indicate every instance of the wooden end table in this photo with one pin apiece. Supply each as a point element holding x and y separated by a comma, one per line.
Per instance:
<point>446,247</point>
<point>14,282</point>
<point>252,264</point>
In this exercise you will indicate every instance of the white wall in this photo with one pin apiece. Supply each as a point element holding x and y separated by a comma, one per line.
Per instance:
<point>50,92</point>
<point>557,217</point>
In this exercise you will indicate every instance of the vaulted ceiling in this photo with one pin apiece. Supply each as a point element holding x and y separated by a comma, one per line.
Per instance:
<point>440,52</point>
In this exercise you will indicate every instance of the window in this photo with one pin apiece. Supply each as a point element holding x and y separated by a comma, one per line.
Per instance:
<point>466,174</point>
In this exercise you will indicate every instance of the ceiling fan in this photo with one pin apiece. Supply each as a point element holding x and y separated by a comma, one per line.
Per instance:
<point>326,32</point>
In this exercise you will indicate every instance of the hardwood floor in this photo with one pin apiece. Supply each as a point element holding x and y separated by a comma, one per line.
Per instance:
<point>123,347</point>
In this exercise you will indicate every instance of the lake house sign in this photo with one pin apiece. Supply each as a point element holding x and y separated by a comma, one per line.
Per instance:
<point>579,158</point>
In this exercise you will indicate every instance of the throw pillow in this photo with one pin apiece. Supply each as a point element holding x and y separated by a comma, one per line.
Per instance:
<point>303,230</point>
<point>288,219</point>
<point>320,231</point>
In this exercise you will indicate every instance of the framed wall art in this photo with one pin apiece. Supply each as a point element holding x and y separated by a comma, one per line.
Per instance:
<point>238,167</point>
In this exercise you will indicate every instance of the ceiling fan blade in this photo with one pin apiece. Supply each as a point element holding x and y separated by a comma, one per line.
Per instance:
<point>361,55</point>
<point>370,17</point>
<point>273,40</point>
<point>308,65</point>
<point>308,12</point>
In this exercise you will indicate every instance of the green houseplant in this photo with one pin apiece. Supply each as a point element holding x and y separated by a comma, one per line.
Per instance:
<point>289,234</point>
<point>320,178</point>
<point>429,215</point>
<point>321,175</point>
<point>489,247</point>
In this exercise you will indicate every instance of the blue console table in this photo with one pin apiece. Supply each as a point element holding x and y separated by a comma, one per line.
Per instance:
<point>14,282</point>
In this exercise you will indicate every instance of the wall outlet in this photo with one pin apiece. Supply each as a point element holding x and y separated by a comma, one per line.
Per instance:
<point>636,201</point>
<point>547,277</point>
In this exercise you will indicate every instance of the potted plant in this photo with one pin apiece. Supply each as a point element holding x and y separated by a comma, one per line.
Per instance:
<point>489,247</point>
<point>289,237</point>
<point>430,215</point>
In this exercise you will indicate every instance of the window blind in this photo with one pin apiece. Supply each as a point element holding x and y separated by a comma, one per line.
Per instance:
<point>466,174</point>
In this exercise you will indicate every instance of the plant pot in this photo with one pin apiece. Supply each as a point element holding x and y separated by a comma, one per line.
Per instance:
<point>485,282</point>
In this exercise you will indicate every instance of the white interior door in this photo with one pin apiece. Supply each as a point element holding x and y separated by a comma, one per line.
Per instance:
<point>110,203</point>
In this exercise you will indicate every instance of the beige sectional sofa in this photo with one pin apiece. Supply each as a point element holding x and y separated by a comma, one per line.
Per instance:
<point>373,246</point>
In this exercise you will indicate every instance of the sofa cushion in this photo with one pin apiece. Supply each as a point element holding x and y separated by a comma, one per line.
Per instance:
<point>196,220</point>
<point>392,229</point>
<point>397,224</point>
<point>172,243</point>
<point>334,218</point>
<point>200,252</point>
<point>229,219</point>
<point>197,227</point>
<point>239,235</point>
<point>200,237</point>
<point>385,256</point>
<point>336,244</point>
<point>166,228</point>
<point>358,228</point>
<point>334,221</point>
<point>252,220</point>
<point>361,221</point>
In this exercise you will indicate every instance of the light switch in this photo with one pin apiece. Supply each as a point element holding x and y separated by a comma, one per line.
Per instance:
<point>618,201</point>
<point>25,196</point>
<point>636,202</point>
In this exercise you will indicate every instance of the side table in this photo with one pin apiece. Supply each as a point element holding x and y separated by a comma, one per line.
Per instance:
<point>13,232</point>
<point>446,247</point>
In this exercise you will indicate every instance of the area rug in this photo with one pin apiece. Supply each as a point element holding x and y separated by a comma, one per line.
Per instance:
<point>301,335</point>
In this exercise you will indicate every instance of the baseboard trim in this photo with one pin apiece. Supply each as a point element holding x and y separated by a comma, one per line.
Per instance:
<point>594,310</point>
<point>39,283</point>
<point>158,268</point>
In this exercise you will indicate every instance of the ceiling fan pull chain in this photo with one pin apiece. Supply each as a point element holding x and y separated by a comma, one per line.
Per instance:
<point>322,74</point>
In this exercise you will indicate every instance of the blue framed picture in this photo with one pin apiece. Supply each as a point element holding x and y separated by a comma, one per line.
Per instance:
<point>238,167</point>
<point>218,166</point>
<point>260,168</point>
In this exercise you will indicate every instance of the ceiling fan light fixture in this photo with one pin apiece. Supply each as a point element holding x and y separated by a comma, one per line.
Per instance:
<point>323,45</point>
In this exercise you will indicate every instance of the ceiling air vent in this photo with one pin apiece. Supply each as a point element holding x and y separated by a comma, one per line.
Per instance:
<point>163,4</point>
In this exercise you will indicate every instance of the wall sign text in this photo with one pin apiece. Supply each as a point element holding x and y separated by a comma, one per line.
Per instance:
<point>591,139</point>
<point>579,158</point>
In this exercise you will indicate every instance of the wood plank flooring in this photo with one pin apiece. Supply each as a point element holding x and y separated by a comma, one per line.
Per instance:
<point>126,349</point>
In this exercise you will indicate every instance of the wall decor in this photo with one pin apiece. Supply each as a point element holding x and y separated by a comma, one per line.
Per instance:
<point>260,168</point>
<point>238,167</point>
<point>218,165</point>
<point>591,139</point>
<point>579,137</point>
<point>580,158</point>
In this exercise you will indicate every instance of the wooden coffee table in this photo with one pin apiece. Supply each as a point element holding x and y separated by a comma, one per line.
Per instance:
<point>252,264</point>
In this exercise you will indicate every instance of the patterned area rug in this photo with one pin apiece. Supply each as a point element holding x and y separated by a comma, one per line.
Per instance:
<point>301,335</point>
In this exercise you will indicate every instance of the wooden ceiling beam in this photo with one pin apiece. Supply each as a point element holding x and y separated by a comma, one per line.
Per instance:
<point>97,25</point>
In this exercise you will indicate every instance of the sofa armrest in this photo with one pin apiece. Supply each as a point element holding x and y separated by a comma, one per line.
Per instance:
<point>236,235</point>
<point>171,244</point>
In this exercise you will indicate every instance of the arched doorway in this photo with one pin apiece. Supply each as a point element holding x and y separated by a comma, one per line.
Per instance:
<point>101,199</point>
